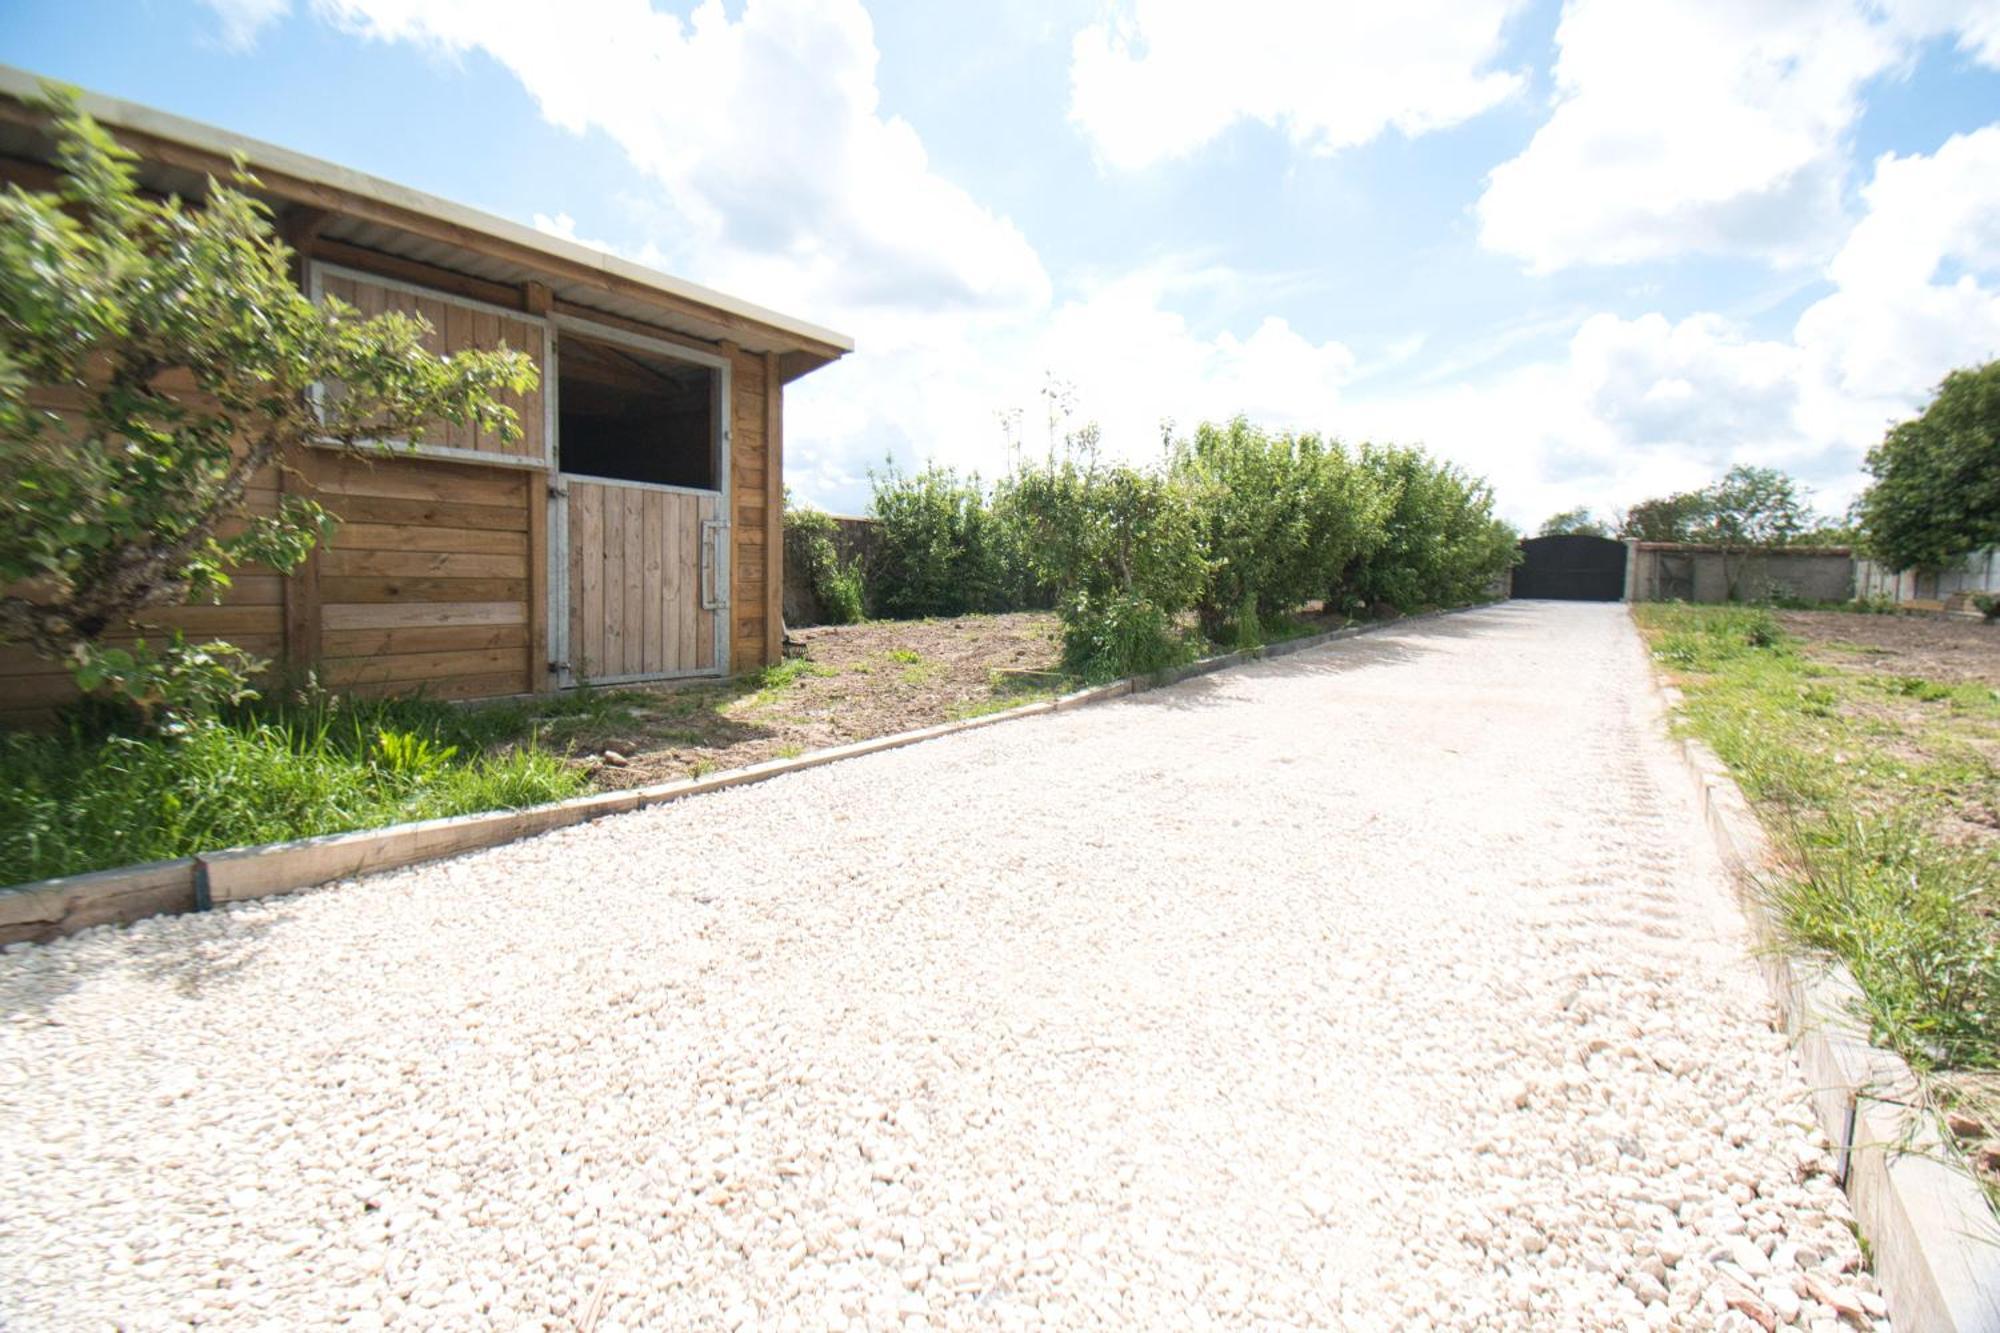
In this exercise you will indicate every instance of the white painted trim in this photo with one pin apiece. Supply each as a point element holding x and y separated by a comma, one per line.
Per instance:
<point>589,480</point>
<point>429,293</point>
<point>658,346</point>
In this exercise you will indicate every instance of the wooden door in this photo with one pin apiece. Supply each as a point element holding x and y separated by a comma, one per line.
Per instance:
<point>642,575</point>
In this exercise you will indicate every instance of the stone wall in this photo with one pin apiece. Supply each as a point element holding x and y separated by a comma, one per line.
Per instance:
<point>1669,571</point>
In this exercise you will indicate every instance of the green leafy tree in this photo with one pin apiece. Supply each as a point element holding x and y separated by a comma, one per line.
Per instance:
<point>1936,493</point>
<point>1669,518</point>
<point>1252,495</point>
<point>155,356</point>
<point>1573,523</point>
<point>1751,508</point>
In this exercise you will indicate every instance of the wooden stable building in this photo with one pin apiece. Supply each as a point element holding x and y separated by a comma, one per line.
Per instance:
<point>632,532</point>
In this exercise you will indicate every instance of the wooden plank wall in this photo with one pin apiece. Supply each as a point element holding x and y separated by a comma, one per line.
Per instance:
<point>749,529</point>
<point>426,586</point>
<point>251,614</point>
<point>455,328</point>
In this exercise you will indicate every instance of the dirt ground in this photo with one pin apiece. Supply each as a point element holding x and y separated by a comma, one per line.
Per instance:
<point>852,682</point>
<point>1935,649</point>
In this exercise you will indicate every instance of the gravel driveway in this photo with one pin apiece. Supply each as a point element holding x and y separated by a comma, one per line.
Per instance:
<point>1388,984</point>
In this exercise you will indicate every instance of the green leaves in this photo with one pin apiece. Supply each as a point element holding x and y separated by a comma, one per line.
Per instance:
<point>156,358</point>
<point>1936,496</point>
<point>1573,523</point>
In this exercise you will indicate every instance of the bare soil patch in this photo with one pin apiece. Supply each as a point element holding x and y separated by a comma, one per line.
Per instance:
<point>851,683</point>
<point>1925,646</point>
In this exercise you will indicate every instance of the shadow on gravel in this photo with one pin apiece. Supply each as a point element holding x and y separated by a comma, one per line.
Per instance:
<point>191,965</point>
<point>1391,645</point>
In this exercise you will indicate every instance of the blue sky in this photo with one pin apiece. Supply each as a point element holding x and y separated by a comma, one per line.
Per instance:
<point>1593,251</point>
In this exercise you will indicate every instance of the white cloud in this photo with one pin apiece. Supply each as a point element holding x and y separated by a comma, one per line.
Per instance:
<point>1706,126</point>
<point>1891,328</point>
<point>765,136</point>
<point>244,20</point>
<point>1641,406</point>
<point>934,390</point>
<point>1157,79</point>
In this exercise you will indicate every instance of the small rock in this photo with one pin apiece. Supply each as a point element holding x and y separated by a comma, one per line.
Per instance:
<point>1747,1303</point>
<point>1840,1300</point>
<point>1784,1302</point>
<point>1964,1126</point>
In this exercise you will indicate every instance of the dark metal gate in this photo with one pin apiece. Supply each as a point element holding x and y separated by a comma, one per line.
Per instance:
<point>1573,568</point>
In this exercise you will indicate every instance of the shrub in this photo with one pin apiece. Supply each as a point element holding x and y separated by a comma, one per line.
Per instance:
<point>1254,499</point>
<point>1121,551</point>
<point>1440,544</point>
<point>936,552</point>
<point>1105,638</point>
<point>810,548</point>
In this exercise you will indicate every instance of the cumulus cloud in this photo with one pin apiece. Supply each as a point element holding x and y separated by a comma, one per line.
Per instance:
<point>1641,406</point>
<point>1157,79</point>
<point>1892,327</point>
<point>1706,126</point>
<point>243,20</point>
<point>1129,363</point>
<point>764,133</point>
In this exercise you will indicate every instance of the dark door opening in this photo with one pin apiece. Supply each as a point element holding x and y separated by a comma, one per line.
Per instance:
<point>1572,569</point>
<point>629,415</point>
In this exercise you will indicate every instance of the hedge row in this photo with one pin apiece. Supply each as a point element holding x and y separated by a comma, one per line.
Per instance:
<point>1235,525</point>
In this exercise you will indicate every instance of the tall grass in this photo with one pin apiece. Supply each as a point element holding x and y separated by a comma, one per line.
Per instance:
<point>89,796</point>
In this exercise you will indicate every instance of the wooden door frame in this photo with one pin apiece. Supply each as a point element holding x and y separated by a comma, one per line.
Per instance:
<point>562,673</point>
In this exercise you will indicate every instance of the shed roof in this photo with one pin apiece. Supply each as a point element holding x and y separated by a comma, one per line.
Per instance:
<point>179,154</point>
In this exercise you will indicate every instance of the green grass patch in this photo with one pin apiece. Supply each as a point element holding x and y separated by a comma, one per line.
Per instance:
<point>767,685</point>
<point>1877,788</point>
<point>88,797</point>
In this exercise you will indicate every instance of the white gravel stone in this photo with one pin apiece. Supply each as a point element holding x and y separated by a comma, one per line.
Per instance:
<point>1391,984</point>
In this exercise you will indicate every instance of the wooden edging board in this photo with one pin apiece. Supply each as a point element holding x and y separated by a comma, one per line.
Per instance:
<point>51,908</point>
<point>1934,1239</point>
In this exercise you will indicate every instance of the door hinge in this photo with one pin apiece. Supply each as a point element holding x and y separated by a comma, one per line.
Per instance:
<point>557,490</point>
<point>559,666</point>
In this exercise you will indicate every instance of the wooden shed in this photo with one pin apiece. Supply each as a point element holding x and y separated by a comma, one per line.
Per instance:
<point>632,533</point>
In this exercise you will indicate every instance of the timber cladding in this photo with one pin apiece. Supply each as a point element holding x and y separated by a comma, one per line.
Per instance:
<point>749,488</point>
<point>427,584</point>
<point>251,613</point>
